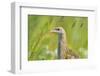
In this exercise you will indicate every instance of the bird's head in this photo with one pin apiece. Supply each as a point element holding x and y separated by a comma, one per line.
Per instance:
<point>58,30</point>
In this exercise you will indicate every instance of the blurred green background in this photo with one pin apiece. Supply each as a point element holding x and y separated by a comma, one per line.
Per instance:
<point>42,45</point>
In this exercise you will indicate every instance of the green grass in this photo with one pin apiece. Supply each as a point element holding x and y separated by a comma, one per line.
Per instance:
<point>42,44</point>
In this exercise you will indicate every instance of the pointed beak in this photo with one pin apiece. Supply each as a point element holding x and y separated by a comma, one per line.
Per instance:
<point>56,30</point>
<point>52,31</point>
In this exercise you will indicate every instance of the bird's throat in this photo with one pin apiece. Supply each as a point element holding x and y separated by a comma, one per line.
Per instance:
<point>59,45</point>
<point>62,43</point>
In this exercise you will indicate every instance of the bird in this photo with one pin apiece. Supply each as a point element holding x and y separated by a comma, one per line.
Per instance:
<point>64,52</point>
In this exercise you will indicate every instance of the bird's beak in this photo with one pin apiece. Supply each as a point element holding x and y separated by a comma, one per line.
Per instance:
<point>56,30</point>
<point>52,31</point>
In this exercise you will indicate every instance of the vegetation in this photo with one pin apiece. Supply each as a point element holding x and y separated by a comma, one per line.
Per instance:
<point>42,44</point>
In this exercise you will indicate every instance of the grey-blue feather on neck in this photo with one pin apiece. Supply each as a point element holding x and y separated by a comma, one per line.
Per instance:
<point>59,45</point>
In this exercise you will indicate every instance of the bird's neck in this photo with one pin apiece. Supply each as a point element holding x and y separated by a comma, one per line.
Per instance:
<point>63,39</point>
<point>62,44</point>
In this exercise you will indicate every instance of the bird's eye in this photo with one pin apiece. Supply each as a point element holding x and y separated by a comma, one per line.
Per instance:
<point>57,29</point>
